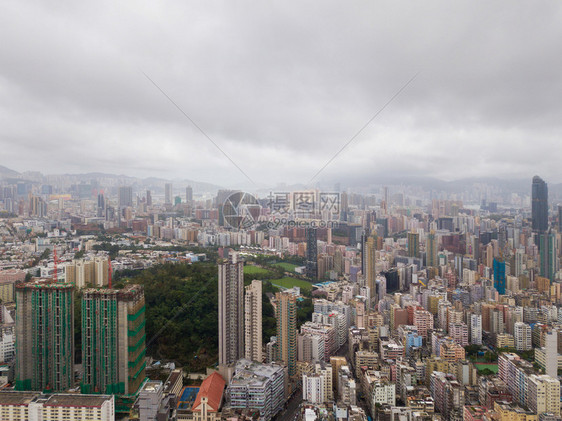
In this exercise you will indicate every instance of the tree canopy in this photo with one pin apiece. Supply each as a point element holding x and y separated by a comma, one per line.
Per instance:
<point>181,313</point>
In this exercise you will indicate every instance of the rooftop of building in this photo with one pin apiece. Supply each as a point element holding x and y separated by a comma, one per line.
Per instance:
<point>246,378</point>
<point>476,409</point>
<point>128,288</point>
<point>172,379</point>
<point>100,291</point>
<point>152,386</point>
<point>511,406</point>
<point>44,284</point>
<point>77,400</point>
<point>260,369</point>
<point>543,378</point>
<point>392,345</point>
<point>365,352</point>
<point>17,398</point>
<point>11,271</point>
<point>212,388</point>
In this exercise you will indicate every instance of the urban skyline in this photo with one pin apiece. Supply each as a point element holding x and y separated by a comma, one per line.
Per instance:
<point>281,211</point>
<point>304,313</point>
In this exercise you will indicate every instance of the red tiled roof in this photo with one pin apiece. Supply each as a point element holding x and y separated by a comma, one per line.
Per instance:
<point>212,388</point>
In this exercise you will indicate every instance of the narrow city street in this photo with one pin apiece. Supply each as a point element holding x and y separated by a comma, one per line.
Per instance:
<point>291,409</point>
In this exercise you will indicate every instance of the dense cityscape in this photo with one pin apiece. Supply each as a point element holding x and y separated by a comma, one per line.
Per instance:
<point>156,300</point>
<point>281,211</point>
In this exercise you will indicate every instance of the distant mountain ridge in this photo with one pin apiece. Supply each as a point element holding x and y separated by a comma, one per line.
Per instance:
<point>6,172</point>
<point>372,183</point>
<point>369,183</point>
<point>151,182</point>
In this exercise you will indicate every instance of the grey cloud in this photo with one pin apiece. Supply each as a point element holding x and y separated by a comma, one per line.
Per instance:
<point>281,86</point>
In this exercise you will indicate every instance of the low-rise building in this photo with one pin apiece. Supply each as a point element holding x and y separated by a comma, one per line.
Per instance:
<point>259,387</point>
<point>209,399</point>
<point>317,384</point>
<point>56,407</point>
<point>505,340</point>
<point>511,411</point>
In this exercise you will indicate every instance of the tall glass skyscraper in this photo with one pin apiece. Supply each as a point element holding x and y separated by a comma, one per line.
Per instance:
<point>539,207</point>
<point>499,276</point>
<point>548,254</point>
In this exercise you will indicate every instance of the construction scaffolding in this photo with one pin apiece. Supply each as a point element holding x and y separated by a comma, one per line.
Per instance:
<point>44,336</point>
<point>113,340</point>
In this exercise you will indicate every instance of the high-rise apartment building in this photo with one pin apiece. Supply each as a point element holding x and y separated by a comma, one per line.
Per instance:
<point>448,394</point>
<point>188,194</point>
<point>548,254</point>
<point>311,254</point>
<point>286,314</point>
<point>101,271</point>
<point>87,273</point>
<point>413,244</point>
<point>37,207</point>
<point>522,334</point>
<point>231,310</point>
<point>45,336</point>
<point>543,394</point>
<point>423,320</point>
<point>313,386</point>
<point>168,196</point>
<point>369,256</point>
<point>459,333</point>
<point>317,385</point>
<point>310,347</point>
<point>101,205</point>
<point>540,393</point>
<point>220,200</point>
<point>113,340</point>
<point>8,279</point>
<point>551,353</point>
<point>259,387</point>
<point>539,206</point>
<point>431,249</point>
<point>253,321</point>
<point>125,196</point>
<point>148,198</point>
<point>476,329</point>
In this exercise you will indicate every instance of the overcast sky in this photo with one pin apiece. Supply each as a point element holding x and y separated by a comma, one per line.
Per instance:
<point>281,87</point>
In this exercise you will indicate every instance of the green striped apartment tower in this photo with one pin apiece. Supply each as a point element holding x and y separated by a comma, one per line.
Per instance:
<point>44,336</point>
<point>113,340</point>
